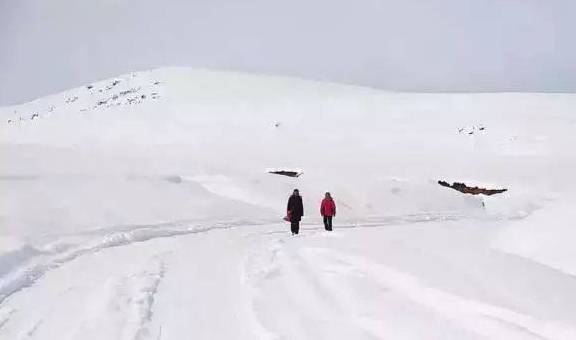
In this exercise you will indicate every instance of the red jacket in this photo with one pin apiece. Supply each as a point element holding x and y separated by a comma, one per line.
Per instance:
<point>328,207</point>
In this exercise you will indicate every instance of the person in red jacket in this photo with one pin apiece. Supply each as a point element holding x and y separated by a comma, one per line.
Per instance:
<point>328,210</point>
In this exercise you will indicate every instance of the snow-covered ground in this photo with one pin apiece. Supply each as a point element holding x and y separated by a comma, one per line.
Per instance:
<point>140,207</point>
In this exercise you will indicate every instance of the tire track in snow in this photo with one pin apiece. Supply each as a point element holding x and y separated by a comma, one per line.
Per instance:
<point>261,264</point>
<point>5,314</point>
<point>26,276</point>
<point>308,298</point>
<point>142,301</point>
<point>304,264</point>
<point>386,221</point>
<point>264,264</point>
<point>32,331</point>
<point>482,318</point>
<point>119,307</point>
<point>60,254</point>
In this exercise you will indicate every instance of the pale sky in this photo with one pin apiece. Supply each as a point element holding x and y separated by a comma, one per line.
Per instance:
<point>407,45</point>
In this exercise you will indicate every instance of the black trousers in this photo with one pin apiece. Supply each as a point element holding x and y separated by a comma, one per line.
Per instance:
<point>328,223</point>
<point>295,226</point>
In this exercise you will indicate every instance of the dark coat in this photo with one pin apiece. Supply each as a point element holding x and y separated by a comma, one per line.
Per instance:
<point>295,208</point>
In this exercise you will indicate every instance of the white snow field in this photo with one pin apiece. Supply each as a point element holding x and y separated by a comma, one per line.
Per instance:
<point>140,207</point>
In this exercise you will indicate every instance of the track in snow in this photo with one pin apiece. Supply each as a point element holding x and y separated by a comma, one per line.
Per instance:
<point>173,280</point>
<point>60,252</point>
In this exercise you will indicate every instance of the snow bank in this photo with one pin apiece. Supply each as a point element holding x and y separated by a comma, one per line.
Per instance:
<point>546,236</point>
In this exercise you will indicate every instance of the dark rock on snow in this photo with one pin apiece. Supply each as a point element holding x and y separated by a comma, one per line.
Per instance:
<point>463,188</point>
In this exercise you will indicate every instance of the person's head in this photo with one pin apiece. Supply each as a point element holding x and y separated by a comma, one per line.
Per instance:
<point>296,192</point>
<point>327,195</point>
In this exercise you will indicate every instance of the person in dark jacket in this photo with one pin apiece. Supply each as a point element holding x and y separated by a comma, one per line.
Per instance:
<point>328,210</point>
<point>295,211</point>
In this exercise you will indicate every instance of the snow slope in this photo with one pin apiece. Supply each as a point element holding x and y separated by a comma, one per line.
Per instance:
<point>140,208</point>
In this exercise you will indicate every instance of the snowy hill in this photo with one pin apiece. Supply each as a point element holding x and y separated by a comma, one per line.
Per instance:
<point>140,207</point>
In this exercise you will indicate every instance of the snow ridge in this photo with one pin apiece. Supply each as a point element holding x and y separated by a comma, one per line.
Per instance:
<point>127,90</point>
<point>29,274</point>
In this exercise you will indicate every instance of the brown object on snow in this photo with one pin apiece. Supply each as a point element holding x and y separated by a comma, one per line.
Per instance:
<point>463,188</point>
